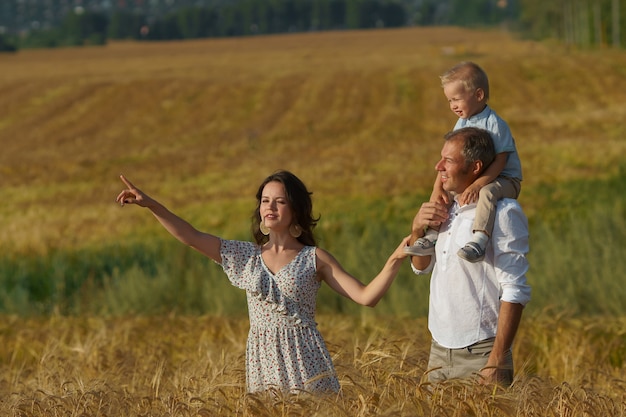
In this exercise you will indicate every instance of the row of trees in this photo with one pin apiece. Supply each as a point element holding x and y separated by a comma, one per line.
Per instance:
<point>579,22</point>
<point>234,18</point>
<point>250,17</point>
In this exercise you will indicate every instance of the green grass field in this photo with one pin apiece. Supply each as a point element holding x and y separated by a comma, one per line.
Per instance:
<point>104,314</point>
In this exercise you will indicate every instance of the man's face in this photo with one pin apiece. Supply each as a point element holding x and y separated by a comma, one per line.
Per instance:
<point>463,103</point>
<point>455,175</point>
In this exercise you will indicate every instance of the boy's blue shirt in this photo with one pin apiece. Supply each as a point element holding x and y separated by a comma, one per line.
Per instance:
<point>503,140</point>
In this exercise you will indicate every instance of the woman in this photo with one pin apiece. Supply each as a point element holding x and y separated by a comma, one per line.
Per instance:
<point>281,274</point>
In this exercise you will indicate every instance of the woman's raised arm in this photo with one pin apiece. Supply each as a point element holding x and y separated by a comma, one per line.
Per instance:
<point>205,243</point>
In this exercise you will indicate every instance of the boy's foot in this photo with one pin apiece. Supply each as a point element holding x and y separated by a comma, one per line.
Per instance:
<point>472,252</point>
<point>421,247</point>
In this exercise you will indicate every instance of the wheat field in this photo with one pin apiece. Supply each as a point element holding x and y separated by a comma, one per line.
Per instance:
<point>194,366</point>
<point>359,116</point>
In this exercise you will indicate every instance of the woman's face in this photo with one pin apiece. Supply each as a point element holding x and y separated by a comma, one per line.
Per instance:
<point>275,210</point>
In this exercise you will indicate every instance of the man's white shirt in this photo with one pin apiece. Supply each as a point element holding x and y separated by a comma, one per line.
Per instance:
<point>465,297</point>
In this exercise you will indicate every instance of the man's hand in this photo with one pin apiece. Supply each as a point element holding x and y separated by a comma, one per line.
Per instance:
<point>429,215</point>
<point>492,375</point>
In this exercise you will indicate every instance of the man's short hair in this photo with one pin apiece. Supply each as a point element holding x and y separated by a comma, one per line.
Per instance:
<point>477,145</point>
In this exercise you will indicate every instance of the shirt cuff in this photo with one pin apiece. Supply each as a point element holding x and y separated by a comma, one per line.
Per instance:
<point>425,271</point>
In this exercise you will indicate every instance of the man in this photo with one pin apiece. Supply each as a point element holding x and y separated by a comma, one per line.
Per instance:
<point>475,308</point>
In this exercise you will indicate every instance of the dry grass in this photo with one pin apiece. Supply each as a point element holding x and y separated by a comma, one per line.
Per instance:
<point>353,113</point>
<point>183,366</point>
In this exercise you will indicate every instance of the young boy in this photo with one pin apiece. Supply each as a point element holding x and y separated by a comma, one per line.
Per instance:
<point>466,87</point>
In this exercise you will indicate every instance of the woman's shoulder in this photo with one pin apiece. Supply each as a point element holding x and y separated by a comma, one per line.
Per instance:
<point>323,256</point>
<point>230,245</point>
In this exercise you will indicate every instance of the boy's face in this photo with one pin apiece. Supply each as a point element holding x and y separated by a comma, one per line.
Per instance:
<point>464,103</point>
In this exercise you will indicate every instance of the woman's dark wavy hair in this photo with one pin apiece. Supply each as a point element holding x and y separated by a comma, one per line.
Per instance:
<point>301,204</point>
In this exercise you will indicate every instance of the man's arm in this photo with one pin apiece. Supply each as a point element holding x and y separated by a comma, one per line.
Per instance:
<point>510,241</point>
<point>508,321</point>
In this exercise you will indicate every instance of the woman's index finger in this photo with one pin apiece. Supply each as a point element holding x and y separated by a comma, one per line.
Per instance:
<point>126,181</point>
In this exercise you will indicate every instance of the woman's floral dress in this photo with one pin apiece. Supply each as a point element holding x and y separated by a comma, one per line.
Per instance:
<point>285,350</point>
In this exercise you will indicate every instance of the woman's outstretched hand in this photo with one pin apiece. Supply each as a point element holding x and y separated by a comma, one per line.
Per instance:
<point>399,252</point>
<point>131,195</point>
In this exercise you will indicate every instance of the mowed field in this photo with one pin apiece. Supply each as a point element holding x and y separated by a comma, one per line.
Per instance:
<point>354,114</point>
<point>359,116</point>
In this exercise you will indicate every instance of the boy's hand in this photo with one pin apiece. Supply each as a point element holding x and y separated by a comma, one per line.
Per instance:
<point>440,196</point>
<point>470,195</point>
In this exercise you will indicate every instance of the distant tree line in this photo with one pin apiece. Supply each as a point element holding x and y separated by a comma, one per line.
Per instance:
<point>579,22</point>
<point>238,18</point>
<point>76,29</point>
<point>6,45</point>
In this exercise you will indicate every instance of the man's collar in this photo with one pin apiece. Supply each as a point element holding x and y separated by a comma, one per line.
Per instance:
<point>459,208</point>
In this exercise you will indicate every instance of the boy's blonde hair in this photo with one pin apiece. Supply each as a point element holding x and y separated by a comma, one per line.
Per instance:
<point>469,74</point>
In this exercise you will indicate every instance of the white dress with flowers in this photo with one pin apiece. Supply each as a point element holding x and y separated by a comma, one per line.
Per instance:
<point>285,351</point>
